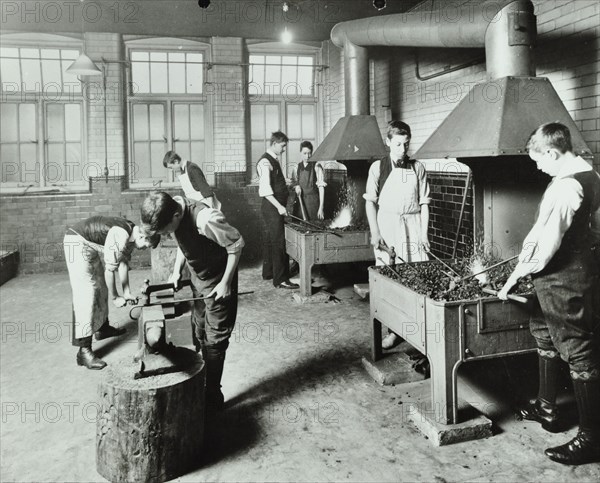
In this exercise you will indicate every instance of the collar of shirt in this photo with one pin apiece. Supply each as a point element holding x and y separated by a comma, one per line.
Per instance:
<point>578,165</point>
<point>184,165</point>
<point>269,151</point>
<point>401,163</point>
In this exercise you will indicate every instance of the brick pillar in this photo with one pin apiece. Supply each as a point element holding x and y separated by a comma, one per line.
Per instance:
<point>110,47</point>
<point>226,92</point>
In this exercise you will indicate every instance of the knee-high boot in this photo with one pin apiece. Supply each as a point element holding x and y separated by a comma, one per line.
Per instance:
<point>543,409</point>
<point>214,357</point>
<point>585,447</point>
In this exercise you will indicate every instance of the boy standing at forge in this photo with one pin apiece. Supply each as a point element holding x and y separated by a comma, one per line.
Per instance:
<point>192,180</point>
<point>212,248</point>
<point>397,205</point>
<point>558,254</point>
<point>273,190</point>
<point>87,244</point>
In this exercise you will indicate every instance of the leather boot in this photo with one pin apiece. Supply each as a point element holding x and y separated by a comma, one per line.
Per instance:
<point>214,357</point>
<point>87,358</point>
<point>585,447</point>
<point>543,409</point>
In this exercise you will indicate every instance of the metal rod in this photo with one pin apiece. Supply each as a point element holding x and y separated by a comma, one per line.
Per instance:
<point>388,266</point>
<point>445,264</point>
<point>176,301</point>
<point>516,298</point>
<point>316,227</point>
<point>302,209</point>
<point>489,268</point>
<point>462,212</point>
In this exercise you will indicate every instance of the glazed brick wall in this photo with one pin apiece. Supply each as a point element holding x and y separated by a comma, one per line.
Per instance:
<point>35,224</point>
<point>444,211</point>
<point>229,109</point>
<point>567,52</point>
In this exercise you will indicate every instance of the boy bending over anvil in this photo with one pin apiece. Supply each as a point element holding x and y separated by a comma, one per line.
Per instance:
<point>87,244</point>
<point>212,248</point>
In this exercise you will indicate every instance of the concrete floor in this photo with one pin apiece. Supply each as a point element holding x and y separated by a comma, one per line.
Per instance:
<point>300,406</point>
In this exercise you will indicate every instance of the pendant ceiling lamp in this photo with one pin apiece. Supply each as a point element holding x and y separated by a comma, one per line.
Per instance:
<point>84,66</point>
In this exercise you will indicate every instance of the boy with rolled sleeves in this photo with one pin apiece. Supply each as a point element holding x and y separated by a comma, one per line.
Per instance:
<point>558,254</point>
<point>87,245</point>
<point>212,248</point>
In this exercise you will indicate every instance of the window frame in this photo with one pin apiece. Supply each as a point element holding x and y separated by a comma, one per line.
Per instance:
<point>166,44</point>
<point>280,49</point>
<point>41,103</point>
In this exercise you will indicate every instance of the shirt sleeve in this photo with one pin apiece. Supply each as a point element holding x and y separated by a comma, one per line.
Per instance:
<point>212,224</point>
<point>424,190</point>
<point>559,204</point>
<point>264,178</point>
<point>320,176</point>
<point>116,248</point>
<point>372,188</point>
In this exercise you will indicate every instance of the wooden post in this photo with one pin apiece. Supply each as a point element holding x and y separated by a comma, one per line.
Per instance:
<point>150,429</point>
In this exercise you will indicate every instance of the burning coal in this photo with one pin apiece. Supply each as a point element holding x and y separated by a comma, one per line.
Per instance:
<point>476,267</point>
<point>343,218</point>
<point>345,214</point>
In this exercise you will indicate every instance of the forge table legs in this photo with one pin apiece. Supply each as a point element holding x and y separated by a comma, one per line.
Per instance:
<point>305,271</point>
<point>443,402</point>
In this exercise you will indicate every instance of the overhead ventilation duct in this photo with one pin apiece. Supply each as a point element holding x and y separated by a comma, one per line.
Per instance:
<point>496,117</point>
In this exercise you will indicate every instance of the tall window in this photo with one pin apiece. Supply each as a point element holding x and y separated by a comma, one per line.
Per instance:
<point>167,111</point>
<point>282,96</point>
<point>41,140</point>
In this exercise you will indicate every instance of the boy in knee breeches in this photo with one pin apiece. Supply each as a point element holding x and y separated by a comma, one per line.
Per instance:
<point>558,253</point>
<point>211,247</point>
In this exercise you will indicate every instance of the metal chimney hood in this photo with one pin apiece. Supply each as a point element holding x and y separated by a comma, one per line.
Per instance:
<point>353,138</point>
<point>497,117</point>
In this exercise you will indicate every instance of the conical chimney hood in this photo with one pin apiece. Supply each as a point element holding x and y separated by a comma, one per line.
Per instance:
<point>352,138</point>
<point>497,117</point>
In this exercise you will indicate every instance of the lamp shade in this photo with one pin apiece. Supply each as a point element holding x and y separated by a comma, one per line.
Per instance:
<point>84,66</point>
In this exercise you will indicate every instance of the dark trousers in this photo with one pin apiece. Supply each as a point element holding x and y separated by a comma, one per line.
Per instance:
<point>213,321</point>
<point>565,321</point>
<point>275,258</point>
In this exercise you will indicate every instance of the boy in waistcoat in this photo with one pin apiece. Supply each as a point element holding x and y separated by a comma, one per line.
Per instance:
<point>274,193</point>
<point>558,254</point>
<point>211,247</point>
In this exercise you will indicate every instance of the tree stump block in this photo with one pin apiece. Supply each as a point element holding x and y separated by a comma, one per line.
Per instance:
<point>150,429</point>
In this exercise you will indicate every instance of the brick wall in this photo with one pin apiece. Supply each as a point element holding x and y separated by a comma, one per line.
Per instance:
<point>444,212</point>
<point>35,224</point>
<point>566,53</point>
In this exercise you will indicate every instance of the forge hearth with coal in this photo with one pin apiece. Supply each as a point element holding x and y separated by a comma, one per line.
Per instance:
<point>490,137</point>
<point>354,141</point>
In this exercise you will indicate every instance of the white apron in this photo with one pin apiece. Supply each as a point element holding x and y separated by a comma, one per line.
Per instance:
<point>90,294</point>
<point>399,217</point>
